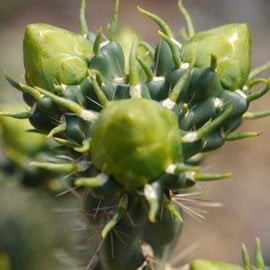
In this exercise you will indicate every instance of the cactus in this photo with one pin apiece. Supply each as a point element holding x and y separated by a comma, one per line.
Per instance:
<point>127,131</point>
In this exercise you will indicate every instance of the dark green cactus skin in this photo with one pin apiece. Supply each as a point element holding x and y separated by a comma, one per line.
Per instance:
<point>130,135</point>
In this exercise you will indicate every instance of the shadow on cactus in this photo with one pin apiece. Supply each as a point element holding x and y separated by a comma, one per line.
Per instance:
<point>129,135</point>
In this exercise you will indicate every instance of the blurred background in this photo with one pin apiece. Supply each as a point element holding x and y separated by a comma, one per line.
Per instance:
<point>245,196</point>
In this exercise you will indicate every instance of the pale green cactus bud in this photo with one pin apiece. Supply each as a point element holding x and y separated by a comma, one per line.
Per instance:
<point>230,44</point>
<point>135,140</point>
<point>54,56</point>
<point>200,264</point>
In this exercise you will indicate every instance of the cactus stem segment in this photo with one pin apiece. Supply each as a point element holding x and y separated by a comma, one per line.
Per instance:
<point>189,24</point>
<point>82,18</point>
<point>112,27</point>
<point>163,26</point>
<point>242,135</point>
<point>92,182</point>
<point>120,211</point>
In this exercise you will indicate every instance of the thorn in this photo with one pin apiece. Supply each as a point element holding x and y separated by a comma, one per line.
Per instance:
<point>58,129</point>
<point>70,105</point>
<point>97,42</point>
<point>120,211</point>
<point>56,167</point>
<point>92,182</point>
<point>112,27</point>
<point>174,48</point>
<point>98,91</point>
<point>162,25</point>
<point>242,135</point>
<point>153,194</point>
<point>213,63</point>
<point>187,18</point>
<point>245,258</point>
<point>133,75</point>
<point>84,148</point>
<point>16,115</point>
<point>255,115</point>
<point>211,177</point>
<point>172,209</point>
<point>259,262</point>
<point>146,68</point>
<point>82,18</point>
<point>253,96</point>
<point>177,89</point>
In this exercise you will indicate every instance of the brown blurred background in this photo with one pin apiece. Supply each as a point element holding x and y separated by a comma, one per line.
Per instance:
<point>246,211</point>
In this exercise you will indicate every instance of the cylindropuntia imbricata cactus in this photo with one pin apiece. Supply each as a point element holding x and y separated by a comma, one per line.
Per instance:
<point>128,131</point>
